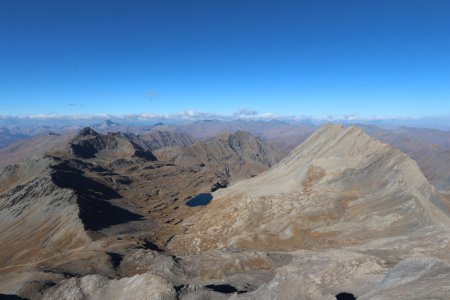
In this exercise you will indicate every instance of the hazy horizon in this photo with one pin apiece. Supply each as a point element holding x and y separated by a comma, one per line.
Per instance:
<point>187,117</point>
<point>348,60</point>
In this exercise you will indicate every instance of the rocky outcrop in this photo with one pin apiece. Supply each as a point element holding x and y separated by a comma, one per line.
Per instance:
<point>90,144</point>
<point>324,275</point>
<point>86,131</point>
<point>238,155</point>
<point>418,277</point>
<point>161,139</point>
<point>144,286</point>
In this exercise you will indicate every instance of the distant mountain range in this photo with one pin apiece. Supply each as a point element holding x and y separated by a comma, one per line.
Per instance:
<point>429,147</point>
<point>188,117</point>
<point>8,138</point>
<point>197,211</point>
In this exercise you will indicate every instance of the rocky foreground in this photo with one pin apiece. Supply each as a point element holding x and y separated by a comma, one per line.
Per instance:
<point>105,217</point>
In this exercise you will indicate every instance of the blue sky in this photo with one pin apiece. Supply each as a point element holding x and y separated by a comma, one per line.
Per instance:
<point>313,58</point>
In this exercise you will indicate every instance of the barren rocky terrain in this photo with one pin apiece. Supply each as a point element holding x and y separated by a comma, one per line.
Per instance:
<point>114,216</point>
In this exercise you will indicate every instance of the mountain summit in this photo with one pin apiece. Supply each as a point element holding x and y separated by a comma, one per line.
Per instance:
<point>340,187</point>
<point>90,144</point>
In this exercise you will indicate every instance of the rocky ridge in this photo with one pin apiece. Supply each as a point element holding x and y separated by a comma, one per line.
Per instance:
<point>90,144</point>
<point>342,213</point>
<point>340,187</point>
<point>239,155</point>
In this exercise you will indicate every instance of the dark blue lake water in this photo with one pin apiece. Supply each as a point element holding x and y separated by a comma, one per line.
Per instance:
<point>200,199</point>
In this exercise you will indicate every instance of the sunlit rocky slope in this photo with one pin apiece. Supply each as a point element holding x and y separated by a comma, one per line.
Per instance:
<point>340,187</point>
<point>105,216</point>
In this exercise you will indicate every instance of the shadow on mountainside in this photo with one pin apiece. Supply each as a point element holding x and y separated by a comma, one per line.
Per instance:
<point>224,288</point>
<point>345,296</point>
<point>95,212</point>
<point>11,297</point>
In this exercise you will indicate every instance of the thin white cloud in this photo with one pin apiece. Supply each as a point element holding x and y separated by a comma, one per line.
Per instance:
<point>183,115</point>
<point>245,112</point>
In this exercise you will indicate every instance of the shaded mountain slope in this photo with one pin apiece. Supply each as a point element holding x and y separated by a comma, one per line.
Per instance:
<point>38,219</point>
<point>160,139</point>
<point>90,144</point>
<point>237,155</point>
<point>94,210</point>
<point>48,205</point>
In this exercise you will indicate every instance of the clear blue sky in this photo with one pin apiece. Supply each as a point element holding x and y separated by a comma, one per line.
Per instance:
<point>379,57</point>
